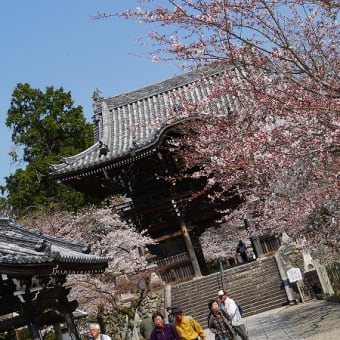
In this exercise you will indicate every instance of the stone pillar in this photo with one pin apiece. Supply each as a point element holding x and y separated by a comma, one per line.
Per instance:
<point>254,240</point>
<point>307,261</point>
<point>156,282</point>
<point>190,248</point>
<point>324,279</point>
<point>285,280</point>
<point>257,246</point>
<point>167,300</point>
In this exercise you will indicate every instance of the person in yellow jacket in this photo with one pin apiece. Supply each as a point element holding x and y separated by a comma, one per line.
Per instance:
<point>186,326</point>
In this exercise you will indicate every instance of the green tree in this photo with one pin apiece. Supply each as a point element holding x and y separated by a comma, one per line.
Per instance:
<point>46,126</point>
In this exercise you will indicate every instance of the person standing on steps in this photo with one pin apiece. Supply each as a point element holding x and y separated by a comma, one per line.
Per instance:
<point>230,307</point>
<point>241,250</point>
<point>186,326</point>
<point>218,322</point>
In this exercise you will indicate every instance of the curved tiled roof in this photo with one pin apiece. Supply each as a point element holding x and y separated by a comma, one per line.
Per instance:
<point>22,246</point>
<point>130,125</point>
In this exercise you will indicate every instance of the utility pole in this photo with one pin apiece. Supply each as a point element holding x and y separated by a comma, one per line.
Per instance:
<point>221,270</point>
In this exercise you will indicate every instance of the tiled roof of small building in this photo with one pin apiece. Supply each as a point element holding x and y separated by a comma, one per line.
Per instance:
<point>21,245</point>
<point>129,125</point>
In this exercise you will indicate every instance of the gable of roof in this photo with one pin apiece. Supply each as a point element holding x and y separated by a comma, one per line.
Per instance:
<point>130,125</point>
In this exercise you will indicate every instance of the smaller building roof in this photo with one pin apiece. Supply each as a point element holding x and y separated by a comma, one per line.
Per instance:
<point>27,251</point>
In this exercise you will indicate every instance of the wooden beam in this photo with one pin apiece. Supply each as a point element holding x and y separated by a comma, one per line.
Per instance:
<point>168,236</point>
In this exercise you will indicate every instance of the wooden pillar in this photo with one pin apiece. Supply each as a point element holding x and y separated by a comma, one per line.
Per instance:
<point>66,308</point>
<point>29,315</point>
<point>34,331</point>
<point>73,331</point>
<point>57,331</point>
<point>190,248</point>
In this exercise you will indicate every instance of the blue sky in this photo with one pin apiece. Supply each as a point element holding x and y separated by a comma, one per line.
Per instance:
<point>57,43</point>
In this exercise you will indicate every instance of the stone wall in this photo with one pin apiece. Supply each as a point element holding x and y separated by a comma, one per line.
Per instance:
<point>319,281</point>
<point>123,322</point>
<point>152,302</point>
<point>333,270</point>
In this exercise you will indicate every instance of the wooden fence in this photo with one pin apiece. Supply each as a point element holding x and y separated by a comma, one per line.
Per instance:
<point>175,268</point>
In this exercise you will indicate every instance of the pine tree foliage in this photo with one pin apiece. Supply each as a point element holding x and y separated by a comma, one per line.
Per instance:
<point>45,127</point>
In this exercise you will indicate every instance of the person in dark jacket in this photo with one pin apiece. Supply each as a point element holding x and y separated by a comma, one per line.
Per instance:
<point>163,331</point>
<point>241,250</point>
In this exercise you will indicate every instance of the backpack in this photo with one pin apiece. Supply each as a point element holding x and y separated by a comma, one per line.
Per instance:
<point>239,309</point>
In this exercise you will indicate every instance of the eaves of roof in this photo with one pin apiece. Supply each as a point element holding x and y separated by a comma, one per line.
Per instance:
<point>24,250</point>
<point>84,167</point>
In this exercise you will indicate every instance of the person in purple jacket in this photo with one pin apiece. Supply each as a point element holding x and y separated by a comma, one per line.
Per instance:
<point>163,331</point>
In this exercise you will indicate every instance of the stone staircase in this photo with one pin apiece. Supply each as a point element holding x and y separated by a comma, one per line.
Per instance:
<point>256,286</point>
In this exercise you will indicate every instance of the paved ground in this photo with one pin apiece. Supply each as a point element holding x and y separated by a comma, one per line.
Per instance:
<point>313,320</point>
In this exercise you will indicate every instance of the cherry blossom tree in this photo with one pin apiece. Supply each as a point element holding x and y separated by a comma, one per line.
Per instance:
<point>219,243</point>
<point>108,235</point>
<point>278,145</point>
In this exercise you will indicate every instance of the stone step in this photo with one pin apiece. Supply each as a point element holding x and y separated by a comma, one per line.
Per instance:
<point>256,286</point>
<point>201,316</point>
<point>247,305</point>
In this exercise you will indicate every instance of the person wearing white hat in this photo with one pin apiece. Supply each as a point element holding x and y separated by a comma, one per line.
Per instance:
<point>230,307</point>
